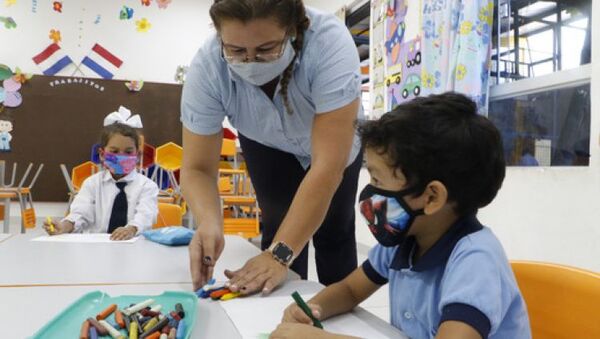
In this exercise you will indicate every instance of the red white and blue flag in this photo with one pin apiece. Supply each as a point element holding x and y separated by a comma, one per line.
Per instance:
<point>52,60</point>
<point>102,62</point>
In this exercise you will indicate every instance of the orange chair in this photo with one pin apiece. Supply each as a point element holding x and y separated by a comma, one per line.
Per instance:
<point>563,302</point>
<point>228,150</point>
<point>168,215</point>
<point>81,172</point>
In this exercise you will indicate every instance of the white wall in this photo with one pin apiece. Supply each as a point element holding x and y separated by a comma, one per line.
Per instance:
<point>176,34</point>
<point>547,214</point>
<point>328,5</point>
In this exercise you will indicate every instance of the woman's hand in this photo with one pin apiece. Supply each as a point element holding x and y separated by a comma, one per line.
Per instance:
<point>123,233</point>
<point>205,249</point>
<point>58,227</point>
<point>262,272</point>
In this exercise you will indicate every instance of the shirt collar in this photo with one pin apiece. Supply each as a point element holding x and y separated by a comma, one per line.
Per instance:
<point>439,253</point>
<point>128,178</point>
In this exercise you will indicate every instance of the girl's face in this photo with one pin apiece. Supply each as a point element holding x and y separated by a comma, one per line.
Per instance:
<point>121,144</point>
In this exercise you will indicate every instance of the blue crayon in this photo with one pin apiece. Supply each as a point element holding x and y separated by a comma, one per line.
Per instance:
<point>93,333</point>
<point>181,329</point>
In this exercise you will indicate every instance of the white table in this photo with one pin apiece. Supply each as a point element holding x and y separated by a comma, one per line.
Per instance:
<point>27,309</point>
<point>28,263</point>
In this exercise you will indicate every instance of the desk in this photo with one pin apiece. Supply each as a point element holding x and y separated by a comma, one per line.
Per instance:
<point>212,321</point>
<point>29,263</point>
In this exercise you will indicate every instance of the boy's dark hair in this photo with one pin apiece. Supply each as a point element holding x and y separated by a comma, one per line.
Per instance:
<point>441,137</point>
<point>122,129</point>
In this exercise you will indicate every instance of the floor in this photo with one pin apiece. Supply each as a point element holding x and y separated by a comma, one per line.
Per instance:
<point>377,304</point>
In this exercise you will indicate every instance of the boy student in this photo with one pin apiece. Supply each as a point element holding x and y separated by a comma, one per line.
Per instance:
<point>433,163</point>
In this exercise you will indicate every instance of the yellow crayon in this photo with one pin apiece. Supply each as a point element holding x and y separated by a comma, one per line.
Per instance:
<point>230,296</point>
<point>49,221</point>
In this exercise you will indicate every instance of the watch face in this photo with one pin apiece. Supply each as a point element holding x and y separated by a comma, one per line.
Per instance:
<point>283,252</point>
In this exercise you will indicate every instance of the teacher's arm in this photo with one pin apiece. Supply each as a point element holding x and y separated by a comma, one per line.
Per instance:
<point>332,137</point>
<point>199,187</point>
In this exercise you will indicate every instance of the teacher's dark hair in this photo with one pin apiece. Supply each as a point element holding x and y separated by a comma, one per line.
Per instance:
<point>290,14</point>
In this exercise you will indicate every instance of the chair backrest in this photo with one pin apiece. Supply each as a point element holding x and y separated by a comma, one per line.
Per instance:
<point>65,173</point>
<point>562,301</point>
<point>81,172</point>
<point>168,215</point>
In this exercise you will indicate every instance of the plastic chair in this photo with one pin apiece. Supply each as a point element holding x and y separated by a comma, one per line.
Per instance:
<point>563,302</point>
<point>168,215</point>
<point>239,204</point>
<point>24,195</point>
<point>72,191</point>
<point>229,150</point>
<point>82,172</point>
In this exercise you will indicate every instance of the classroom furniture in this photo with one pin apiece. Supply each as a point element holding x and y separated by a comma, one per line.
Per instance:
<point>81,172</point>
<point>23,193</point>
<point>72,191</point>
<point>241,215</point>
<point>212,321</point>
<point>562,301</point>
<point>168,215</point>
<point>102,263</point>
<point>228,154</point>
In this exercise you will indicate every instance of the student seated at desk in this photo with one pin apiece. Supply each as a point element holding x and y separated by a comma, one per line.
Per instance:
<point>117,200</point>
<point>433,163</point>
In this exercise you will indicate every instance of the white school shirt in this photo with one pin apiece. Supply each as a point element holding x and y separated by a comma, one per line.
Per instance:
<point>92,206</point>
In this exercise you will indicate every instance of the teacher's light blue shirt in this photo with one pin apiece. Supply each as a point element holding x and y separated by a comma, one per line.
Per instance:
<point>326,77</point>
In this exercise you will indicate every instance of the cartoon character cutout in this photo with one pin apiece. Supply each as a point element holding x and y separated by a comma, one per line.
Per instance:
<point>6,127</point>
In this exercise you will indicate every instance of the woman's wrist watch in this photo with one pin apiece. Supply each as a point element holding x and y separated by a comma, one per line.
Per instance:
<point>282,253</point>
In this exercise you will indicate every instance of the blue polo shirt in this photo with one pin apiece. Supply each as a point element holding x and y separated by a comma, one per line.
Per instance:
<point>326,77</point>
<point>465,277</point>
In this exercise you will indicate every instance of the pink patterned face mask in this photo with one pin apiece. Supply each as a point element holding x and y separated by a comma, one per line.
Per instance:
<point>120,163</point>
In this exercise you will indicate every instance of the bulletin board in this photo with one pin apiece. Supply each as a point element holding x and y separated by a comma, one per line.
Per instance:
<point>61,118</point>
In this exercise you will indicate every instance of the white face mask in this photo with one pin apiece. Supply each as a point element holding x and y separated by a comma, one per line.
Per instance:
<point>260,73</point>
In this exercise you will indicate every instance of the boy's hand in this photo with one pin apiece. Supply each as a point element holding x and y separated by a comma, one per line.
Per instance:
<point>123,233</point>
<point>300,331</point>
<point>293,314</point>
<point>60,227</point>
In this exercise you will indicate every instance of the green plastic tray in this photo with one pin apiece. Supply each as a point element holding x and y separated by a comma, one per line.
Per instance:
<point>67,324</point>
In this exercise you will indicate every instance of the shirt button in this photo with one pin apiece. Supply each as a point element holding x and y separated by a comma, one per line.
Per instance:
<point>408,315</point>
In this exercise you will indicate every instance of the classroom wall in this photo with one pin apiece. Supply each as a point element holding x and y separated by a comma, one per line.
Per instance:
<point>547,214</point>
<point>174,37</point>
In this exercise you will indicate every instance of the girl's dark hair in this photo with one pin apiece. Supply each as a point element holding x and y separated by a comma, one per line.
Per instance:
<point>441,137</point>
<point>121,129</point>
<point>288,13</point>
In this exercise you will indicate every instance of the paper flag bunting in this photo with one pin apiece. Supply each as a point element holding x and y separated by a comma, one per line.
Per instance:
<point>143,25</point>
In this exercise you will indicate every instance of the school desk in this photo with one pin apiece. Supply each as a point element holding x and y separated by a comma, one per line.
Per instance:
<point>26,309</point>
<point>24,262</point>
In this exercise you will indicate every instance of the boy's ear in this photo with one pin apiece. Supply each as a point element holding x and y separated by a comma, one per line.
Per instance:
<point>436,197</point>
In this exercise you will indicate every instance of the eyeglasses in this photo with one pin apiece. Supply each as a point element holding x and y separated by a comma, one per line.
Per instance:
<point>240,55</point>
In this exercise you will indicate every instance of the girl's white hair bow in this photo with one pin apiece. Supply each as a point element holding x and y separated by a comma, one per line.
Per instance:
<point>123,116</point>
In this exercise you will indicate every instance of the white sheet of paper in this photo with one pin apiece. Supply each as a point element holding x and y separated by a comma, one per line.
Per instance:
<point>84,238</point>
<point>243,314</point>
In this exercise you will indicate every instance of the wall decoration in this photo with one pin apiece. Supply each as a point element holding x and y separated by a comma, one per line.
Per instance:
<point>34,6</point>
<point>102,62</point>
<point>2,96</point>
<point>143,25</point>
<point>52,60</point>
<point>163,4</point>
<point>9,23</point>
<point>9,3</point>
<point>126,13</point>
<point>55,36</point>
<point>6,127</point>
<point>98,18</point>
<point>21,77</point>
<point>57,6</point>
<point>77,81</point>
<point>135,85</point>
<point>395,29</point>
<point>5,72</point>
<point>180,74</point>
<point>10,95</point>
<point>146,2</point>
